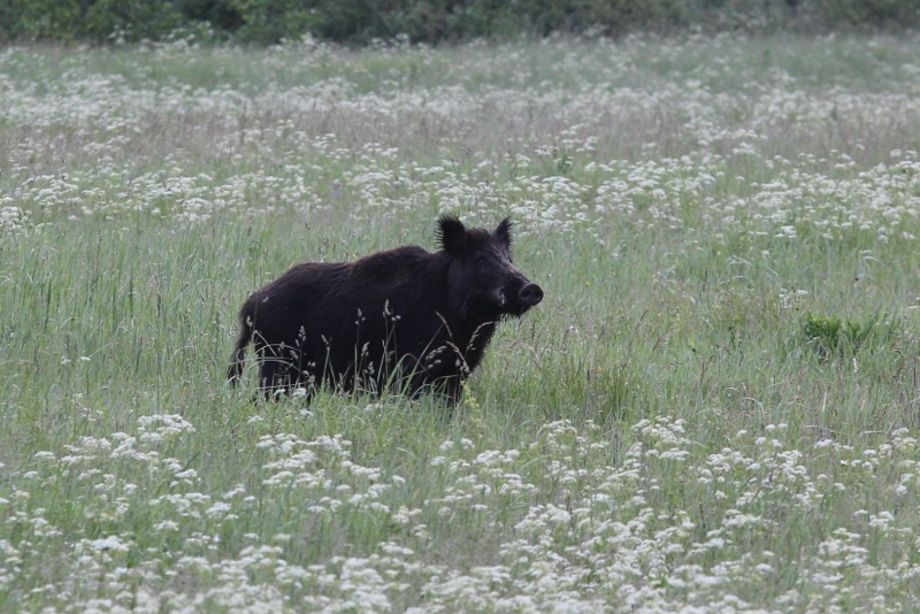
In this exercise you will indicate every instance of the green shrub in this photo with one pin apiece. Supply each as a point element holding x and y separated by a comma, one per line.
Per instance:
<point>41,19</point>
<point>269,21</point>
<point>131,20</point>
<point>878,13</point>
<point>220,15</point>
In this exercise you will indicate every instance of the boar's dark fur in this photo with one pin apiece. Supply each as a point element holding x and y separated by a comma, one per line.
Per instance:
<point>405,317</point>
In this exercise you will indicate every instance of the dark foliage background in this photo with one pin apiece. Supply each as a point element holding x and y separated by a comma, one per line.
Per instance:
<point>430,21</point>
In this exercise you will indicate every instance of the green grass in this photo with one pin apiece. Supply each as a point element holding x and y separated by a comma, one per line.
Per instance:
<point>660,432</point>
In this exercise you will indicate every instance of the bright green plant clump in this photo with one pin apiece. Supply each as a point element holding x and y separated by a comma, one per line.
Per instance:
<point>831,335</point>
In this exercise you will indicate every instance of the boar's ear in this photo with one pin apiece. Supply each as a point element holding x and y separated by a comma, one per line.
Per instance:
<point>503,233</point>
<point>452,234</point>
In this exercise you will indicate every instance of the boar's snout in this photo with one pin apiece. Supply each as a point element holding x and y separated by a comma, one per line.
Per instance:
<point>530,295</point>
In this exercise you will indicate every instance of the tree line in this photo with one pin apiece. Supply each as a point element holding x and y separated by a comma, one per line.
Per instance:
<point>429,21</point>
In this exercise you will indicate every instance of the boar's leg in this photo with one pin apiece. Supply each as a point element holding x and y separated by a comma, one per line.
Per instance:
<point>453,389</point>
<point>275,370</point>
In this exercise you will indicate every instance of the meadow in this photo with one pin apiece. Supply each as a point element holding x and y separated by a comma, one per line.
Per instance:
<point>716,407</point>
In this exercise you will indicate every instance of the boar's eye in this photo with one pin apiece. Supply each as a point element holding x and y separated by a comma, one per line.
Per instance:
<point>486,262</point>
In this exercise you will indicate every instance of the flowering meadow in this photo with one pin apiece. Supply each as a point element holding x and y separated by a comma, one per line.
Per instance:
<point>716,407</point>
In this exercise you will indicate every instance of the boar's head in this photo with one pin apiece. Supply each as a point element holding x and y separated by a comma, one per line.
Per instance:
<point>483,281</point>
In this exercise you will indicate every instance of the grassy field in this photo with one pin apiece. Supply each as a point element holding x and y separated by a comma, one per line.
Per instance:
<point>717,406</point>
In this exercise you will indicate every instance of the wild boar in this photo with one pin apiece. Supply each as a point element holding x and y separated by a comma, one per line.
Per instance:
<point>405,317</point>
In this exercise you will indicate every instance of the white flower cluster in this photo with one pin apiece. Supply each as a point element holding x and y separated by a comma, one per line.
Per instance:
<point>592,135</point>
<point>566,524</point>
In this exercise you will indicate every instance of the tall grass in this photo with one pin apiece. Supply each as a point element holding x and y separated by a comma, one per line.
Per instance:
<point>661,432</point>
